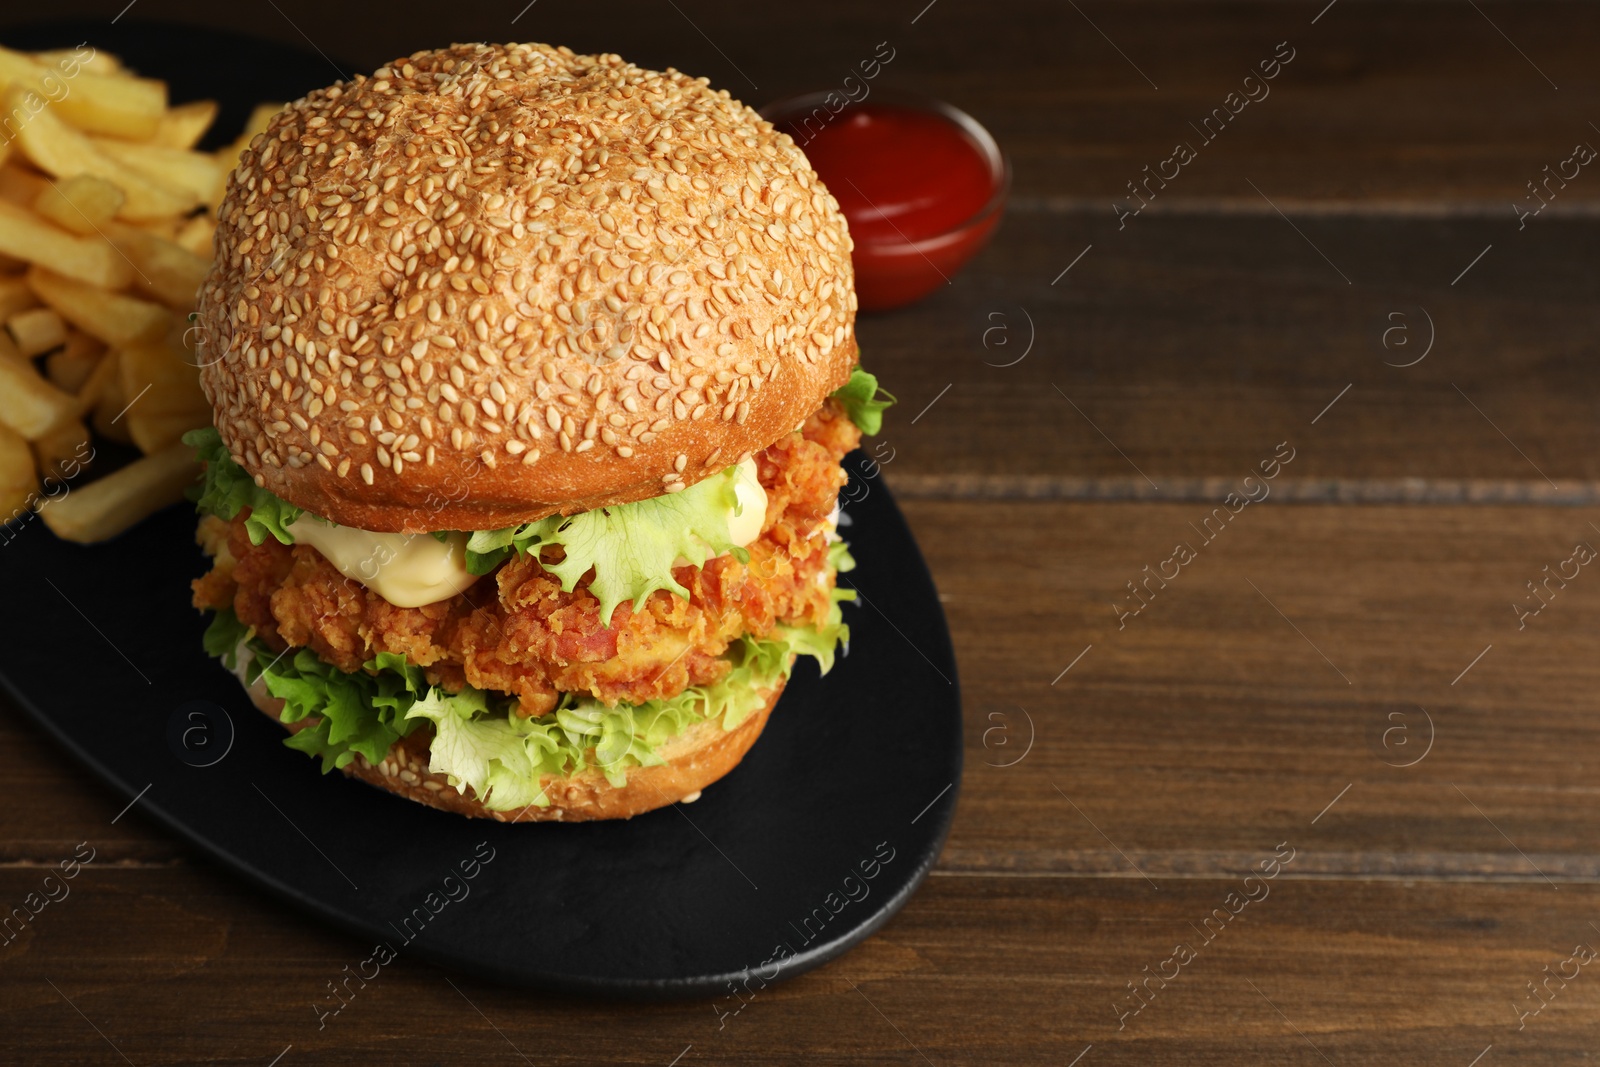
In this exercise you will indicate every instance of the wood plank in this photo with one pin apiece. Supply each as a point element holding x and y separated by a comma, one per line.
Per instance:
<point>186,967</point>
<point>1419,106</point>
<point>1186,348</point>
<point>1211,725</point>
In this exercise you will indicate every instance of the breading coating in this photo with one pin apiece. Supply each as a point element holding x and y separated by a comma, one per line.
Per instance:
<point>517,632</point>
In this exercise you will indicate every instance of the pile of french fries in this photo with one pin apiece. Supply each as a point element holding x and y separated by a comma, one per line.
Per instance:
<point>107,212</point>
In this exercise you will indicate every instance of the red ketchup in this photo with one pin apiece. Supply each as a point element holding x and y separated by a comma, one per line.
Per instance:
<point>920,190</point>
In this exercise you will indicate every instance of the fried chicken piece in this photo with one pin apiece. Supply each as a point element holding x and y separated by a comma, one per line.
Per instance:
<point>517,632</point>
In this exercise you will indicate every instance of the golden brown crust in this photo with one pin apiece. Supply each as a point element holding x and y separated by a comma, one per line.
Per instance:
<point>694,759</point>
<point>490,283</point>
<point>518,632</point>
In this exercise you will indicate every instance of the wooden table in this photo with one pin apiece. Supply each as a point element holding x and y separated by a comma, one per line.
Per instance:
<point>1337,688</point>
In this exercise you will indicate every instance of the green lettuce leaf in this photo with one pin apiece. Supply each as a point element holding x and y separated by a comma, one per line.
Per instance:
<point>487,549</point>
<point>479,739</point>
<point>502,756</point>
<point>860,399</point>
<point>223,636</point>
<point>357,713</point>
<point>225,490</point>
<point>631,547</point>
<point>819,644</point>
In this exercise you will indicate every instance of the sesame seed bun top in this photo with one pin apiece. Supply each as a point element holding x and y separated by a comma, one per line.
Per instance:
<point>491,283</point>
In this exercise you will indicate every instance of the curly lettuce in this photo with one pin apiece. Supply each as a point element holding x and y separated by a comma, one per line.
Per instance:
<point>631,547</point>
<point>861,399</point>
<point>225,490</point>
<point>357,713</point>
<point>479,740</point>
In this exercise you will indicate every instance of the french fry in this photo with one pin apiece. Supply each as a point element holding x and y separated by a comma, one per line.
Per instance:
<point>84,203</point>
<point>65,451</point>
<point>116,319</point>
<point>153,431</point>
<point>95,61</point>
<point>36,331</point>
<point>158,379</point>
<point>86,259</point>
<point>184,125</point>
<point>19,68</point>
<point>196,235</point>
<point>63,152</point>
<point>196,172</point>
<point>107,418</point>
<point>101,256</point>
<point>97,103</point>
<point>15,296</point>
<point>10,351</point>
<point>21,185</point>
<point>106,376</point>
<point>19,478</point>
<point>109,506</point>
<point>30,405</point>
<point>162,268</point>
<point>229,156</point>
<point>166,229</point>
<point>71,367</point>
<point>115,104</point>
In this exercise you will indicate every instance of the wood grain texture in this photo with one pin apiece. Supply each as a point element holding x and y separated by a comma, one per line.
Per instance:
<point>1125,772</point>
<point>1209,725</point>
<point>1186,347</point>
<point>183,966</point>
<point>1420,107</point>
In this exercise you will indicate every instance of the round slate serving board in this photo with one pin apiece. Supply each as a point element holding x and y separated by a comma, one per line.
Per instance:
<point>810,845</point>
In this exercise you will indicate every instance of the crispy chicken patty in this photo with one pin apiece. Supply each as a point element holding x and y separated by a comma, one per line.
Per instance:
<point>515,631</point>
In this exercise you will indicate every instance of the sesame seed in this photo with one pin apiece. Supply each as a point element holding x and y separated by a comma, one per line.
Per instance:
<point>621,241</point>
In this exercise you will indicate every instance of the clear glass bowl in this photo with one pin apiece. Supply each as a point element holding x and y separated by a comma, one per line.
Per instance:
<point>894,271</point>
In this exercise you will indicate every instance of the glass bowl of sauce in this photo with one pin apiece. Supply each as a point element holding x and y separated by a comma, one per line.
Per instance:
<point>921,184</point>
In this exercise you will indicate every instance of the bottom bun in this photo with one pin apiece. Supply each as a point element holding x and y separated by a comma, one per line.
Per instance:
<point>694,759</point>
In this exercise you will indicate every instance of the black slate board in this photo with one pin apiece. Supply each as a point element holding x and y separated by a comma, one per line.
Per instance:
<point>856,773</point>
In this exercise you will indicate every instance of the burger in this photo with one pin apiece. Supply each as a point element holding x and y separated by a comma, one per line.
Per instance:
<point>532,376</point>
